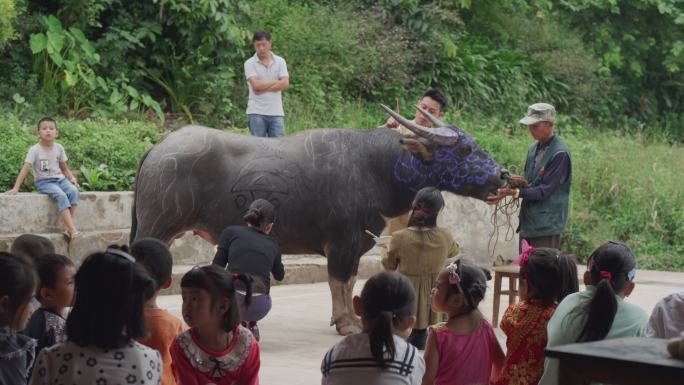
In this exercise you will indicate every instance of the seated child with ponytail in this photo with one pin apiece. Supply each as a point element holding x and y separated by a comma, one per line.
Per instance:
<point>600,312</point>
<point>380,354</point>
<point>216,349</point>
<point>546,278</point>
<point>463,350</point>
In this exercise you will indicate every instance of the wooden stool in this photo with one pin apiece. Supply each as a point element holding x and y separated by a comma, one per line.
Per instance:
<point>512,272</point>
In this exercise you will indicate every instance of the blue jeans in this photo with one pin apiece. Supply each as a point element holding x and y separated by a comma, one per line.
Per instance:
<point>266,126</point>
<point>61,190</point>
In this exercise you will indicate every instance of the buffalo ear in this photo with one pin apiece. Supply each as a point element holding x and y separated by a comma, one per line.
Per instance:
<point>421,149</point>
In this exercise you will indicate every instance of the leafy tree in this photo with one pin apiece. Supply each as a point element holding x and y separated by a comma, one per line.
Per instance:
<point>638,42</point>
<point>8,13</point>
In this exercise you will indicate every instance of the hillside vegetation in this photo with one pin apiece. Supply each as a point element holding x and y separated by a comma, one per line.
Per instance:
<point>119,74</point>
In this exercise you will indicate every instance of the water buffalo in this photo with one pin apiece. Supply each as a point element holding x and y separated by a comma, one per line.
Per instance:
<point>328,185</point>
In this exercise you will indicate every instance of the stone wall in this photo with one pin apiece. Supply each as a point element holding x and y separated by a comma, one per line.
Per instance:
<point>105,218</point>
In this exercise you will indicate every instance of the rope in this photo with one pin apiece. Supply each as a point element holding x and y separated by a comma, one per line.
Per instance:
<point>506,207</point>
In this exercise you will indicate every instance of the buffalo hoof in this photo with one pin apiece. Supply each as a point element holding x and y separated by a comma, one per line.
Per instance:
<point>347,325</point>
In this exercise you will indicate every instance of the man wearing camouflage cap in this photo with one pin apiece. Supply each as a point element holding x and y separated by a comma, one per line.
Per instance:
<point>545,185</point>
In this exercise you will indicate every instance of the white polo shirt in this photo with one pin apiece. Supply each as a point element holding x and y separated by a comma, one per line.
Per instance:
<point>267,103</point>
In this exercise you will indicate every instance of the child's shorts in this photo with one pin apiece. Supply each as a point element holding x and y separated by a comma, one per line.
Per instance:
<point>61,190</point>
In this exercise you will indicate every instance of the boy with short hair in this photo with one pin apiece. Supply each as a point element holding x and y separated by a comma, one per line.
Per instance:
<point>51,174</point>
<point>55,293</point>
<point>32,246</point>
<point>162,326</point>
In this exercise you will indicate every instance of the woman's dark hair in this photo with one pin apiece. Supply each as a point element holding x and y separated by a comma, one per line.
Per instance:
<point>220,284</point>
<point>611,268</point>
<point>47,266</point>
<point>473,281</point>
<point>426,206</point>
<point>111,290</point>
<point>32,246</point>
<point>388,298</point>
<point>155,257</point>
<point>260,214</point>
<point>552,275</point>
<point>17,281</point>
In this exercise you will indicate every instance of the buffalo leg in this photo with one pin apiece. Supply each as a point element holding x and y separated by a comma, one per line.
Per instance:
<point>342,313</point>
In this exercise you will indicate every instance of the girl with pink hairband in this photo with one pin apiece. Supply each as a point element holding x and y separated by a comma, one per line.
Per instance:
<point>463,350</point>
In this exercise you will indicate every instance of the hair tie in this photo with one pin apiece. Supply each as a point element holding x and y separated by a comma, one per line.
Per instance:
<point>631,274</point>
<point>454,278</point>
<point>606,275</point>
<point>525,255</point>
<point>120,253</point>
<point>236,276</point>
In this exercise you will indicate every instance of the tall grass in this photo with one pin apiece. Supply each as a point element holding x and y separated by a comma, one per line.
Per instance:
<point>625,186</point>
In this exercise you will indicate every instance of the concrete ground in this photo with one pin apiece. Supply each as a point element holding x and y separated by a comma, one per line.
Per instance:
<point>296,335</point>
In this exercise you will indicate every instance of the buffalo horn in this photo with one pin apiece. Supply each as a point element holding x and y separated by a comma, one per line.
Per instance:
<point>418,130</point>
<point>441,135</point>
<point>435,121</point>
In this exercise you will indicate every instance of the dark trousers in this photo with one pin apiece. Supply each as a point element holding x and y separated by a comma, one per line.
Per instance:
<point>552,241</point>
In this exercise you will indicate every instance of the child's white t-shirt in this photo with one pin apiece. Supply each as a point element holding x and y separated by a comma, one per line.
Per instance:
<point>667,318</point>
<point>45,161</point>
<point>68,363</point>
<point>350,362</point>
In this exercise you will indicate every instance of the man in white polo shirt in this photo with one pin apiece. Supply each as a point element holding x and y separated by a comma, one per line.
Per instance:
<point>267,76</point>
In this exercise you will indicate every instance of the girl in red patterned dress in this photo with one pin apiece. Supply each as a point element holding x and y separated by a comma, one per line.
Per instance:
<point>216,349</point>
<point>546,277</point>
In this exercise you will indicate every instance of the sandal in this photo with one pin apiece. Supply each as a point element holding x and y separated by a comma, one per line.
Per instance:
<point>71,236</point>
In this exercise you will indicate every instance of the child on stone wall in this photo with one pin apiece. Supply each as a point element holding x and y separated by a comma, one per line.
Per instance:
<point>55,293</point>
<point>51,174</point>
<point>162,327</point>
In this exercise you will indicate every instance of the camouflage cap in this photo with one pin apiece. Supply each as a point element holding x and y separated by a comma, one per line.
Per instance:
<point>539,112</point>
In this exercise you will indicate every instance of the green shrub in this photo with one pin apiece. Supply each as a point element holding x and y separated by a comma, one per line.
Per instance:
<point>184,53</point>
<point>335,52</point>
<point>16,140</point>
<point>90,145</point>
<point>624,188</point>
<point>8,13</point>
